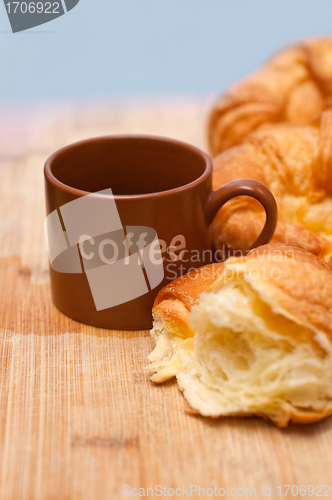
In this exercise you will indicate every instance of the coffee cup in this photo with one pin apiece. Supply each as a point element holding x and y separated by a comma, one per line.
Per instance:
<point>125,216</point>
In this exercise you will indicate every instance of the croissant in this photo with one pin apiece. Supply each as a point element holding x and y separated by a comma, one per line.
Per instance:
<point>252,336</point>
<point>293,87</point>
<point>295,163</point>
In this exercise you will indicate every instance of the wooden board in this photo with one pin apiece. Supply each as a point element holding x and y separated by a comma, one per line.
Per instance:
<point>79,418</point>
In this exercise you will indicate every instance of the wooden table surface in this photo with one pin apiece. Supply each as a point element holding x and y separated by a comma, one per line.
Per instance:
<point>79,418</point>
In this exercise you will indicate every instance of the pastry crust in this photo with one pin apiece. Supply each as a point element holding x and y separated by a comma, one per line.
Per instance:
<point>293,87</point>
<point>257,341</point>
<point>274,126</point>
<point>295,163</point>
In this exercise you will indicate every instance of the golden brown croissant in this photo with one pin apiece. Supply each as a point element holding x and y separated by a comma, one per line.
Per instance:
<point>293,87</point>
<point>295,162</point>
<point>258,340</point>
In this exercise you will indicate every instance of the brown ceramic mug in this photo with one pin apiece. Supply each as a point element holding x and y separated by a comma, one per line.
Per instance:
<point>160,186</point>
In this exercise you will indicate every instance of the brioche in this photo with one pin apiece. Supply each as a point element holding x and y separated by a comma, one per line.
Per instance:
<point>295,163</point>
<point>293,87</point>
<point>252,336</point>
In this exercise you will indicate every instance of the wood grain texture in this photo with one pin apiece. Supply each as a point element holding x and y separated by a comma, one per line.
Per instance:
<point>78,416</point>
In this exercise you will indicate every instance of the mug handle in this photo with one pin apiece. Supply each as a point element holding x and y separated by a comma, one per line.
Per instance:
<point>246,187</point>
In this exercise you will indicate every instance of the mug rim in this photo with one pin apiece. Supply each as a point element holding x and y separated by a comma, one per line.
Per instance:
<point>50,177</point>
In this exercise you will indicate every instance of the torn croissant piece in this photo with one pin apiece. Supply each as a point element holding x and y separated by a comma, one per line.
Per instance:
<point>295,163</point>
<point>293,87</point>
<point>258,341</point>
<point>171,312</point>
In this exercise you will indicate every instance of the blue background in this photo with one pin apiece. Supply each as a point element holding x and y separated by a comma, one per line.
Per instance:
<point>108,48</point>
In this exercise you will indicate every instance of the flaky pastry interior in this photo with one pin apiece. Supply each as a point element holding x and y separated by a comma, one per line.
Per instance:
<point>257,341</point>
